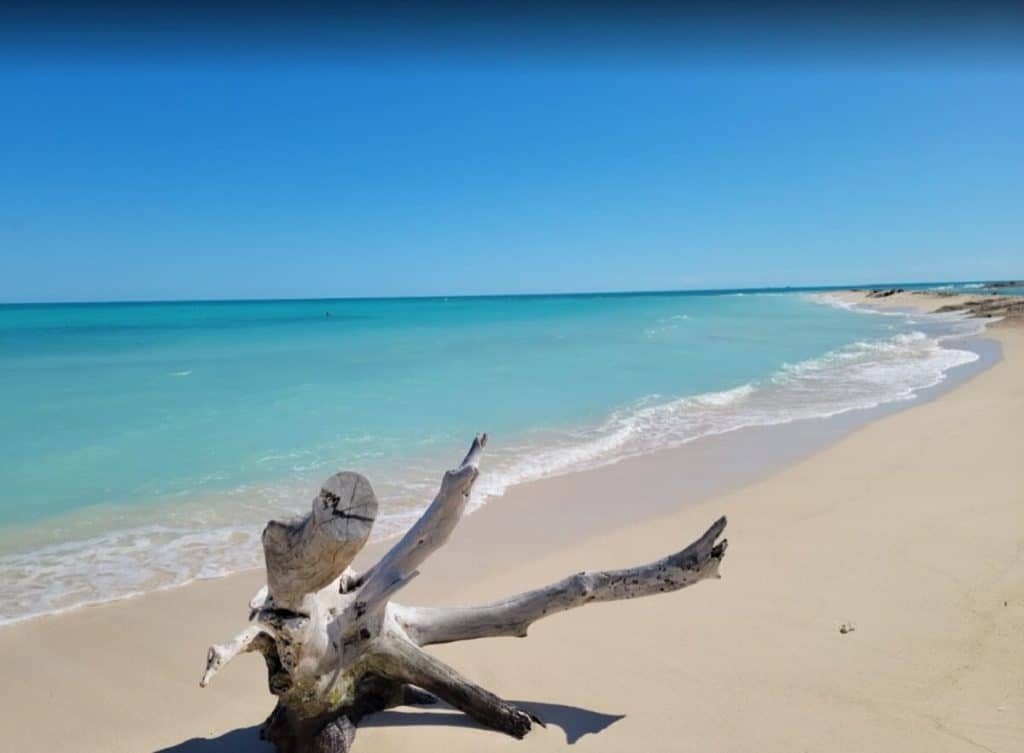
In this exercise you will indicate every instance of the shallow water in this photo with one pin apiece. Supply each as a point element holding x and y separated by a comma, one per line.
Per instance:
<point>146,444</point>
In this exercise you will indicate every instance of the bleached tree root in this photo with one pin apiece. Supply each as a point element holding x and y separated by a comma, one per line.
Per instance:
<point>337,648</point>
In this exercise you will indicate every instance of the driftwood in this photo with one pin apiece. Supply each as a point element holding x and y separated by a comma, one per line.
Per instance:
<point>337,648</point>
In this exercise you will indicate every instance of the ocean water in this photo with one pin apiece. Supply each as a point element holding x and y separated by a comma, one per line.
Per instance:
<point>145,445</point>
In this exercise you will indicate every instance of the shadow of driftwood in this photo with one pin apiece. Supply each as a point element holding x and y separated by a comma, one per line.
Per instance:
<point>244,740</point>
<point>574,721</point>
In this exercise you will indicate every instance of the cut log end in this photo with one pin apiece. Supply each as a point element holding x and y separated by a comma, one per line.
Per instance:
<point>346,507</point>
<point>305,555</point>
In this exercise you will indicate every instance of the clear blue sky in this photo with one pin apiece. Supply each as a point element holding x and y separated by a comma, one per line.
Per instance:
<point>132,176</point>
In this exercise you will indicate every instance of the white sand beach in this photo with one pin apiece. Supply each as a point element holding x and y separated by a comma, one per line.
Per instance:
<point>910,530</point>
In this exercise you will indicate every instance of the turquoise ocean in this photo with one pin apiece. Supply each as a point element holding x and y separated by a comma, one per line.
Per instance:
<point>146,444</point>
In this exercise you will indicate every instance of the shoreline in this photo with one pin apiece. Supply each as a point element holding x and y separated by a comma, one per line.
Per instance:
<point>518,543</point>
<point>752,450</point>
<point>763,450</point>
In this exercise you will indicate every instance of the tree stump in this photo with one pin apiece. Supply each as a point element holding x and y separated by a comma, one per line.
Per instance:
<point>337,648</point>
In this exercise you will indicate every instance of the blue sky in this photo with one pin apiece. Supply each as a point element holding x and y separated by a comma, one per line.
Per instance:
<point>125,177</point>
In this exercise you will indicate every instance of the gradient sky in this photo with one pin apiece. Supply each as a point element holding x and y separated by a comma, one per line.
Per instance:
<point>128,176</point>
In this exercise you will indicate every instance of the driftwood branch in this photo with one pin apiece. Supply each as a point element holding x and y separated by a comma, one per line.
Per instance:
<point>250,639</point>
<point>401,660</point>
<point>513,616</point>
<point>428,534</point>
<point>337,648</point>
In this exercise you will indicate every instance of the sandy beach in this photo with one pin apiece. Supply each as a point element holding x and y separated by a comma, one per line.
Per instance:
<point>910,529</point>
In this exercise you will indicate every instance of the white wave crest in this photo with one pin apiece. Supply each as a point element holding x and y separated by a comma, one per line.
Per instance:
<point>858,376</point>
<point>830,299</point>
<point>665,325</point>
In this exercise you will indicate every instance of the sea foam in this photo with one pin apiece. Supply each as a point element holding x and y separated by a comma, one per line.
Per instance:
<point>859,376</point>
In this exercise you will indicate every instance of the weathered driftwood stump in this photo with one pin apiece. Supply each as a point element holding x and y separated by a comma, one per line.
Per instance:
<point>337,648</point>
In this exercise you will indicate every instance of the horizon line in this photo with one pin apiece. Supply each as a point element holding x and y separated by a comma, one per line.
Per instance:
<point>443,296</point>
